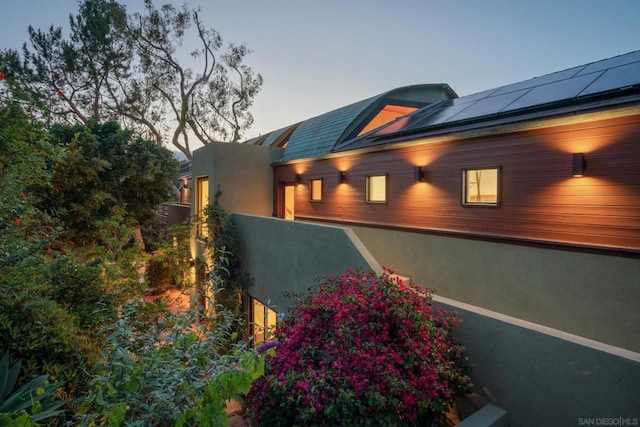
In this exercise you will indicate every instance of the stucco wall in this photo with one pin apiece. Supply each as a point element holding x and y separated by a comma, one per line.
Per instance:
<point>290,256</point>
<point>541,380</point>
<point>592,295</point>
<point>243,173</point>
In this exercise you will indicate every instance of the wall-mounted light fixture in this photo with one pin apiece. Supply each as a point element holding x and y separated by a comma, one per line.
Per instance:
<point>579,164</point>
<point>298,179</point>
<point>418,174</point>
<point>342,177</point>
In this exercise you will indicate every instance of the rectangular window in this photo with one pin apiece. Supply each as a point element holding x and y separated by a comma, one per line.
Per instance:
<point>315,190</point>
<point>376,188</point>
<point>202,202</point>
<point>480,187</point>
<point>262,321</point>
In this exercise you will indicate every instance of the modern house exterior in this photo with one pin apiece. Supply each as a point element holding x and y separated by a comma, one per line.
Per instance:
<point>520,205</point>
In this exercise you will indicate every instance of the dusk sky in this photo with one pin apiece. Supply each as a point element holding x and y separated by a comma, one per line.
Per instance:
<point>319,55</point>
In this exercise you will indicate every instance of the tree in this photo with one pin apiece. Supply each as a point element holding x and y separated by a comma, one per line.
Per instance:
<point>128,67</point>
<point>102,172</point>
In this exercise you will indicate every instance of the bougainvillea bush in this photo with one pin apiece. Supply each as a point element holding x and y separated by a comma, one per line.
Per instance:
<point>361,349</point>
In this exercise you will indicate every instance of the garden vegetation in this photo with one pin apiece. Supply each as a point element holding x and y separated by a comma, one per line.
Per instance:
<point>83,171</point>
<point>362,349</point>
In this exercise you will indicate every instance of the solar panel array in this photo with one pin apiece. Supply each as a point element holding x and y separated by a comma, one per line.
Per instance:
<point>600,77</point>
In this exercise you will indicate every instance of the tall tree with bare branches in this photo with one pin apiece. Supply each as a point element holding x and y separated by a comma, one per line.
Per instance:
<point>160,72</point>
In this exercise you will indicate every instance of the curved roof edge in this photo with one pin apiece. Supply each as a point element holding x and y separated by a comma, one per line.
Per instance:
<point>321,134</point>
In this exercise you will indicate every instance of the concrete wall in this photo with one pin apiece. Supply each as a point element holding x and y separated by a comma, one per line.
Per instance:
<point>243,173</point>
<point>590,295</point>
<point>290,256</point>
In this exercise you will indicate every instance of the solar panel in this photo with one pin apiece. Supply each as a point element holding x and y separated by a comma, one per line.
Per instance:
<point>616,61</point>
<point>538,81</point>
<point>615,78</point>
<point>573,83</point>
<point>489,105</point>
<point>552,92</point>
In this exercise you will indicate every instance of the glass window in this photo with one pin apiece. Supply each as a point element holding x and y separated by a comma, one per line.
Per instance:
<point>315,190</point>
<point>202,202</point>
<point>388,114</point>
<point>480,186</point>
<point>263,322</point>
<point>377,189</point>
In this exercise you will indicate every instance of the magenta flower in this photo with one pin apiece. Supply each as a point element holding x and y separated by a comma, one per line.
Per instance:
<point>361,346</point>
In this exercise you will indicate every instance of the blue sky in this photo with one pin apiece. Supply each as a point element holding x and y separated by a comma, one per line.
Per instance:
<point>318,55</point>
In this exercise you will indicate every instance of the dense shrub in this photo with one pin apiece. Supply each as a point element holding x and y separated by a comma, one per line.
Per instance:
<point>361,350</point>
<point>48,340</point>
<point>159,274</point>
<point>78,287</point>
<point>162,369</point>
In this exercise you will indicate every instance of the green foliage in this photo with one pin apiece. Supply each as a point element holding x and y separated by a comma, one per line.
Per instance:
<point>41,331</point>
<point>209,411</point>
<point>105,175</point>
<point>24,161</point>
<point>159,368</point>
<point>78,286</point>
<point>28,404</point>
<point>157,236</point>
<point>224,245</point>
<point>170,254</point>
<point>159,274</point>
<point>37,323</point>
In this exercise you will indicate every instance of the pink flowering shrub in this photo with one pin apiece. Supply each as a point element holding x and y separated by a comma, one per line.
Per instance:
<point>361,349</point>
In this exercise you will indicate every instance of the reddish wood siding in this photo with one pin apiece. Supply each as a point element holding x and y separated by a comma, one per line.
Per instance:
<point>539,199</point>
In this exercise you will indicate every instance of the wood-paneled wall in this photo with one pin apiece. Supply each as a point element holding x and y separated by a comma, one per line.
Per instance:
<point>539,198</point>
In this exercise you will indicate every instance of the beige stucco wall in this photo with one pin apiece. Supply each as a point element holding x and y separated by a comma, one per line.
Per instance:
<point>243,173</point>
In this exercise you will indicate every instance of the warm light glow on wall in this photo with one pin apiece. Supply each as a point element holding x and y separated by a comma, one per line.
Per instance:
<point>419,158</point>
<point>343,163</point>
<point>588,141</point>
<point>300,168</point>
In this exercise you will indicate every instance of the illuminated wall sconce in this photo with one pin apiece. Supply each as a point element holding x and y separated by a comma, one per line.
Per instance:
<point>298,179</point>
<point>418,174</point>
<point>342,177</point>
<point>579,164</point>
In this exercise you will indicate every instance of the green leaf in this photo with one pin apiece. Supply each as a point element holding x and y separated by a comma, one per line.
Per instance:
<point>8,376</point>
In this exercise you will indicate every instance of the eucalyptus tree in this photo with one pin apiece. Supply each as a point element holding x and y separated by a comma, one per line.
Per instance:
<point>210,100</point>
<point>70,76</point>
<point>160,72</point>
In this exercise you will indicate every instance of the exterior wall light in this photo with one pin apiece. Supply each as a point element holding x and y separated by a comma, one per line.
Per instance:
<point>418,174</point>
<point>298,179</point>
<point>342,177</point>
<point>579,164</point>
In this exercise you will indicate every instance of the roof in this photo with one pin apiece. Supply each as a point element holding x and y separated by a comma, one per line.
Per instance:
<point>319,135</point>
<point>566,91</point>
